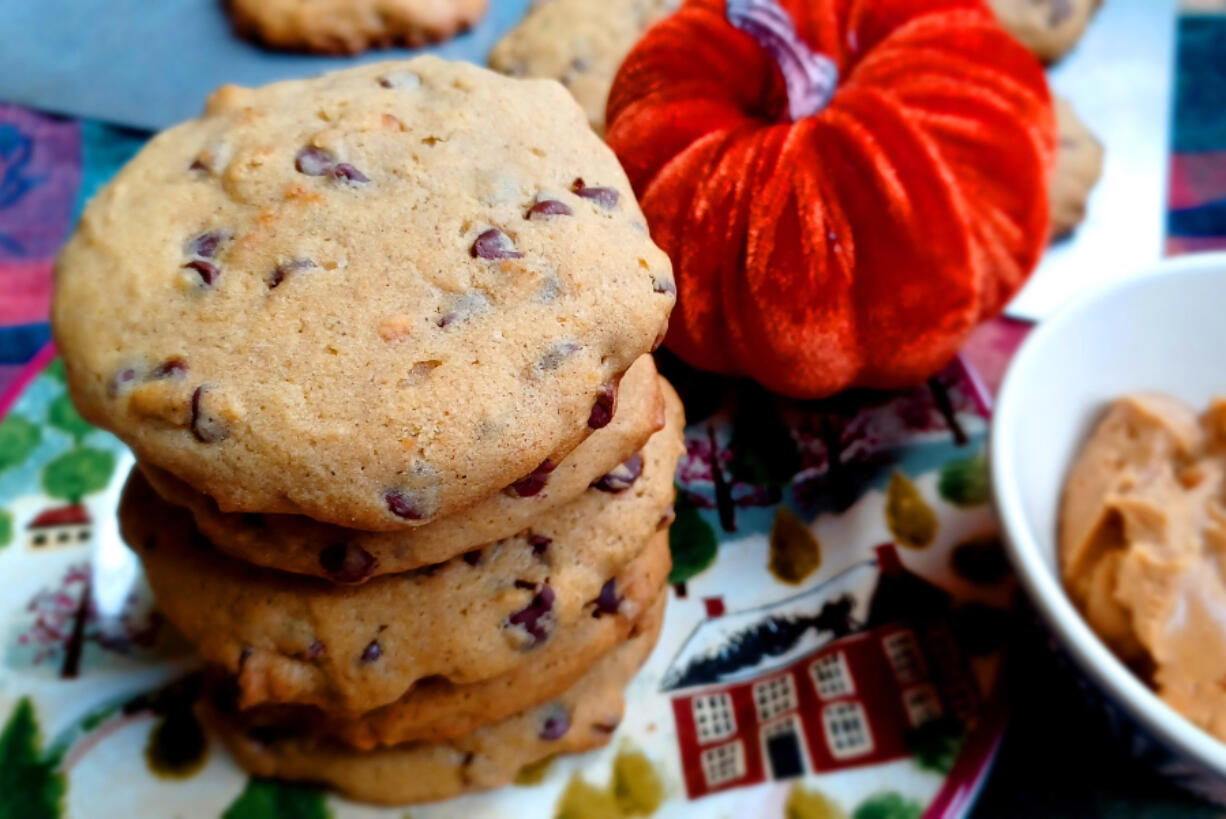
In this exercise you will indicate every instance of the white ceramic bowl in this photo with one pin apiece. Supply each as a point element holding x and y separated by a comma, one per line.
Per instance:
<point>1163,330</point>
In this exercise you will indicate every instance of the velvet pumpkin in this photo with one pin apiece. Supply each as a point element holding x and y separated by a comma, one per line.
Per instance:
<point>854,235</point>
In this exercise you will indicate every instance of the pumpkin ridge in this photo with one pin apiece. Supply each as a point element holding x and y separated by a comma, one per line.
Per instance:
<point>858,246</point>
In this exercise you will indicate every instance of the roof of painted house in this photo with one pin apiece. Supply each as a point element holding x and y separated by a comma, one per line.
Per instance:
<point>74,515</point>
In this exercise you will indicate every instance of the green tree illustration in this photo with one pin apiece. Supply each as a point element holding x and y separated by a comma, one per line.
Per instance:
<point>18,438</point>
<point>265,799</point>
<point>30,787</point>
<point>56,370</point>
<point>6,528</point>
<point>77,473</point>
<point>888,806</point>
<point>964,482</point>
<point>692,541</point>
<point>64,416</point>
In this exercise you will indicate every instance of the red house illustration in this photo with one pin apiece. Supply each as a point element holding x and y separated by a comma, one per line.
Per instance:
<point>60,526</point>
<point>839,676</point>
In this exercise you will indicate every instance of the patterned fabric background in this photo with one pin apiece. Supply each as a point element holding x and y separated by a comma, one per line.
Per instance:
<point>1057,759</point>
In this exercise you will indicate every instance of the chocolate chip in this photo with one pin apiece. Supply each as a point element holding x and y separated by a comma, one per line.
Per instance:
<point>313,162</point>
<point>346,562</point>
<point>623,476</point>
<point>605,197</point>
<point>539,544</point>
<point>666,286</point>
<point>472,558</point>
<point>205,245</point>
<point>281,271</point>
<point>607,602</point>
<point>401,505</point>
<point>547,208</point>
<point>531,616</point>
<point>123,379</point>
<point>372,652</point>
<point>556,725</point>
<point>207,271</point>
<point>525,584</point>
<point>206,426</point>
<point>534,483</point>
<point>316,650</point>
<point>494,244</point>
<point>174,367</point>
<point>557,354</point>
<point>603,409</point>
<point>347,173</point>
<point>198,165</point>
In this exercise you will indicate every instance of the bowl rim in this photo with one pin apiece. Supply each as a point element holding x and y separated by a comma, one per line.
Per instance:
<point>1043,586</point>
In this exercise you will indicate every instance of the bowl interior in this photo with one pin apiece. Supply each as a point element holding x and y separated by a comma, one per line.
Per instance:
<point>1162,331</point>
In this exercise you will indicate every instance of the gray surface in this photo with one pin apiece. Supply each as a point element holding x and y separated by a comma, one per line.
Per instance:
<point>1120,80</point>
<point>151,63</point>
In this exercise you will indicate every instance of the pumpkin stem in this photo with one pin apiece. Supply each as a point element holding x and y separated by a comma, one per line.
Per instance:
<point>810,77</point>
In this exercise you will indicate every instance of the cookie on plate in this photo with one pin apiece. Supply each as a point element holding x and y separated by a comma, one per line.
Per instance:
<point>354,648</point>
<point>351,26</point>
<point>583,717</point>
<point>372,298</point>
<point>435,710</point>
<point>1049,28</point>
<point>298,544</point>
<point>579,43</point>
<point>1079,164</point>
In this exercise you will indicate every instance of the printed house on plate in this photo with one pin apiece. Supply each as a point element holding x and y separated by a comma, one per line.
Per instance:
<point>61,526</point>
<point>839,676</point>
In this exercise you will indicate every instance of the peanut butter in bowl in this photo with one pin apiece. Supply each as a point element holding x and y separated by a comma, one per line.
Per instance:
<point>1143,546</point>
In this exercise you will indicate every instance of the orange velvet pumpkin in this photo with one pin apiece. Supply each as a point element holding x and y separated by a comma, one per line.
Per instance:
<point>855,245</point>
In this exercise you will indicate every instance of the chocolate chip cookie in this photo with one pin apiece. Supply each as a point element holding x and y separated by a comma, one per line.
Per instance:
<point>579,43</point>
<point>435,710</point>
<point>582,718</point>
<point>354,648</point>
<point>1049,28</point>
<point>372,298</point>
<point>1079,164</point>
<point>351,26</point>
<point>298,544</point>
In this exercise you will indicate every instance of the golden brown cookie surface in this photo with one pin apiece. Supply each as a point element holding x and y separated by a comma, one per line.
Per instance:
<point>298,544</point>
<point>373,298</point>
<point>354,648</point>
<point>1079,164</point>
<point>351,26</point>
<point>582,718</point>
<point>1049,28</point>
<point>579,43</point>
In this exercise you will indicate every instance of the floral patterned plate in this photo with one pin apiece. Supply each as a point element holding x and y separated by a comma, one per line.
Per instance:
<point>831,648</point>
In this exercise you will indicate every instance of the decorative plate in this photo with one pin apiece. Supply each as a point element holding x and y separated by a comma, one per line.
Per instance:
<point>831,646</point>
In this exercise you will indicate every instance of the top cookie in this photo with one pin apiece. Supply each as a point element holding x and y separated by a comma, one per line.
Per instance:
<point>351,26</point>
<point>371,298</point>
<point>579,43</point>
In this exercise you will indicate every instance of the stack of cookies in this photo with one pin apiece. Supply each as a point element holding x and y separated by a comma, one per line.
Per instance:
<point>381,344</point>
